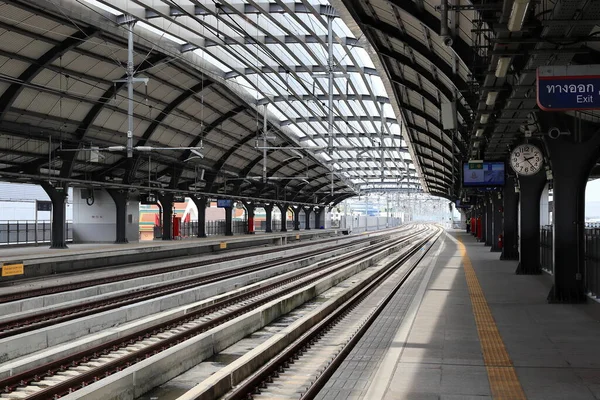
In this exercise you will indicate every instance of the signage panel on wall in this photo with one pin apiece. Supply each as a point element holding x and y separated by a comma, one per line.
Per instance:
<point>572,87</point>
<point>44,205</point>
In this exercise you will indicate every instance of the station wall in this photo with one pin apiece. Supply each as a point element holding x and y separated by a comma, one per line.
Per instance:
<point>96,223</point>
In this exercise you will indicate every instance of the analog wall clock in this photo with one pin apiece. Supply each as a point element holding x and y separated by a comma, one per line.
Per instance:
<point>526,159</point>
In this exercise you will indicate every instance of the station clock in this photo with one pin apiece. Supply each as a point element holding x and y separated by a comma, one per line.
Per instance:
<point>526,159</point>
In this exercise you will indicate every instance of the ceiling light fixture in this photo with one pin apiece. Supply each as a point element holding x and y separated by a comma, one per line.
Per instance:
<point>491,98</point>
<point>517,15</point>
<point>484,118</point>
<point>502,67</point>
<point>479,133</point>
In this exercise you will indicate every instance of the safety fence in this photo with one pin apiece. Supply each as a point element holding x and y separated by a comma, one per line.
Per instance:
<point>546,249</point>
<point>190,229</point>
<point>592,261</point>
<point>29,232</point>
<point>591,257</point>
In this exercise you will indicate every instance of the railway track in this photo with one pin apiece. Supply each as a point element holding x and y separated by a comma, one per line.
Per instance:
<point>32,322</point>
<point>304,367</point>
<point>142,273</point>
<point>57,378</point>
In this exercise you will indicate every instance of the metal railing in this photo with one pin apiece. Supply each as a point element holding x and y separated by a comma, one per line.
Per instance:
<point>546,249</point>
<point>190,229</point>
<point>592,261</point>
<point>25,232</point>
<point>591,257</point>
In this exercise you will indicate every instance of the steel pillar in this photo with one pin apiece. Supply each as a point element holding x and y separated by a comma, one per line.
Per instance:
<point>283,208</point>
<point>268,218</point>
<point>510,223</point>
<point>296,217</point>
<point>201,203</point>
<point>120,198</point>
<point>228,221</point>
<point>166,200</point>
<point>489,216</point>
<point>250,208</point>
<point>58,196</point>
<point>531,190</point>
<point>572,160</point>
<point>307,211</point>
<point>496,221</point>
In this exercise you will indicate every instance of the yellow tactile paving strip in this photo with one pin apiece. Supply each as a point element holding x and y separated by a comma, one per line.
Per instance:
<point>502,376</point>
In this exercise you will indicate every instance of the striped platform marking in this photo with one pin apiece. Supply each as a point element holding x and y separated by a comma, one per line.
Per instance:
<point>504,382</point>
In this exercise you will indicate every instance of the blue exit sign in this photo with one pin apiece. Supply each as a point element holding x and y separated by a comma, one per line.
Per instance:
<point>573,87</point>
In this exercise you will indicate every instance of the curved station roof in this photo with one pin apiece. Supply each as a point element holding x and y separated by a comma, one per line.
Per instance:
<point>211,79</point>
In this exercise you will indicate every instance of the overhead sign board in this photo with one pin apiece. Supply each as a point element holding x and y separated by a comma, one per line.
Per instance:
<point>179,198</point>
<point>224,203</point>
<point>149,198</point>
<point>489,173</point>
<point>572,87</point>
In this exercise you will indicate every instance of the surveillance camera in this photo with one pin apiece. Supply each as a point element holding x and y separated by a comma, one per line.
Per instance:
<point>447,41</point>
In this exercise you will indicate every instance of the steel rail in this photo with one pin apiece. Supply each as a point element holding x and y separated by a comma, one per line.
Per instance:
<point>32,322</point>
<point>138,274</point>
<point>11,384</point>
<point>280,362</point>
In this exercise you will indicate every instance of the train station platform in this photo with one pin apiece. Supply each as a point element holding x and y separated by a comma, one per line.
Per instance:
<point>472,329</point>
<point>42,261</point>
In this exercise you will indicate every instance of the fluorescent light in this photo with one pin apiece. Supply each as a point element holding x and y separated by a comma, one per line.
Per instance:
<point>502,67</point>
<point>484,118</point>
<point>491,98</point>
<point>479,132</point>
<point>517,15</point>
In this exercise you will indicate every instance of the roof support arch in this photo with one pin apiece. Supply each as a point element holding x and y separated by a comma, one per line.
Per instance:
<point>13,91</point>
<point>86,123</point>
<point>135,162</point>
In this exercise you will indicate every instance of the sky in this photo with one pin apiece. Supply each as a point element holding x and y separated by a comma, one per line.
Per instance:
<point>592,199</point>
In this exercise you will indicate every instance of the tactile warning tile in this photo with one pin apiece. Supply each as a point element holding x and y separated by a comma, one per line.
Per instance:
<point>504,382</point>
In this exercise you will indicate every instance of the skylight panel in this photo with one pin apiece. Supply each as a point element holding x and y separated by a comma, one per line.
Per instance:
<point>212,60</point>
<point>104,7</point>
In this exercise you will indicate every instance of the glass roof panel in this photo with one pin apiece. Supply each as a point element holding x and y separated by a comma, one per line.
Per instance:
<point>279,42</point>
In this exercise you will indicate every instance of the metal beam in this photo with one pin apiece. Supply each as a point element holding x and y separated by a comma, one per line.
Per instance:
<point>86,123</point>
<point>135,164</point>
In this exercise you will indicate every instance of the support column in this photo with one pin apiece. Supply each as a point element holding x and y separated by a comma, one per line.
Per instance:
<point>496,221</point>
<point>250,208</point>
<point>489,216</point>
<point>269,218</point>
<point>296,217</point>
<point>318,215</point>
<point>283,208</point>
<point>307,211</point>
<point>58,196</point>
<point>572,160</point>
<point>201,203</point>
<point>510,223</point>
<point>120,198</point>
<point>228,221</point>
<point>166,200</point>
<point>531,189</point>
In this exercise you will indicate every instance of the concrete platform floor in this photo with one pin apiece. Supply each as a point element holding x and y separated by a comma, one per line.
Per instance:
<point>555,349</point>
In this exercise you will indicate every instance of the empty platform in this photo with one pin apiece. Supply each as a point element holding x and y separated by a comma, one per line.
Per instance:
<point>41,261</point>
<point>475,330</point>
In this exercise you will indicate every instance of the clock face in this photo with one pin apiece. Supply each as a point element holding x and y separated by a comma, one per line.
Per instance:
<point>526,159</point>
